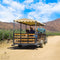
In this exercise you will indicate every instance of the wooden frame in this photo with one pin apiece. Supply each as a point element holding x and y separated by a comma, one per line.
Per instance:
<point>27,38</point>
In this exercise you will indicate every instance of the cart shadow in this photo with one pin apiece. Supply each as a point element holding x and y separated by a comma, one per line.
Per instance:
<point>23,48</point>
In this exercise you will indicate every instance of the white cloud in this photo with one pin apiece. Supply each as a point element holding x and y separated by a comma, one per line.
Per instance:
<point>42,0</point>
<point>14,4</point>
<point>7,1</point>
<point>56,8</point>
<point>5,14</point>
<point>42,11</point>
<point>17,6</point>
<point>28,1</point>
<point>12,11</point>
<point>37,16</point>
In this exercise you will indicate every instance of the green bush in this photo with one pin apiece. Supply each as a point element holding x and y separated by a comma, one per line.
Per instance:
<point>1,35</point>
<point>52,33</point>
<point>5,33</point>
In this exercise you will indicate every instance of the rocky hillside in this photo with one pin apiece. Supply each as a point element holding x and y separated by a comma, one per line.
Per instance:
<point>53,25</point>
<point>7,26</point>
<point>50,26</point>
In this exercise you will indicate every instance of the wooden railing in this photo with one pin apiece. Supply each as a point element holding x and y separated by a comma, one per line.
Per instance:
<point>24,38</point>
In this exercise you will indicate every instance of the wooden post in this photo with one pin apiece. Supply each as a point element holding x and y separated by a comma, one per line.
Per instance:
<point>35,31</point>
<point>13,30</point>
<point>20,32</point>
<point>25,26</point>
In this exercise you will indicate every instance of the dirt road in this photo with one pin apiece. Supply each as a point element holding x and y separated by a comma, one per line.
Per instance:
<point>51,51</point>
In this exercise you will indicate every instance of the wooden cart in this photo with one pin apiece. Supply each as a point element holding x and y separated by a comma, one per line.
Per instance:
<point>23,39</point>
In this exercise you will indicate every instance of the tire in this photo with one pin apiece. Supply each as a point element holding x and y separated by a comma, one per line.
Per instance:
<point>19,45</point>
<point>45,41</point>
<point>41,45</point>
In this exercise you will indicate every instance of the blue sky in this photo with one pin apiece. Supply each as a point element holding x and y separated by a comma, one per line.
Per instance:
<point>41,10</point>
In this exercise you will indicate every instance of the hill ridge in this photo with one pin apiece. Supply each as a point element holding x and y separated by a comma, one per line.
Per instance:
<point>50,26</point>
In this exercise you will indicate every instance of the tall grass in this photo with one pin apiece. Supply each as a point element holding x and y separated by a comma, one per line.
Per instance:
<point>4,34</point>
<point>52,33</point>
<point>8,34</point>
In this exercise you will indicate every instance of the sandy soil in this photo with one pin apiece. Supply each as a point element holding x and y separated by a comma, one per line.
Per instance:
<point>51,51</point>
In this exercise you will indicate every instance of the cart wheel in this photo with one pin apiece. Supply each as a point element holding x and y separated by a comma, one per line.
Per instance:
<point>41,45</point>
<point>19,45</point>
<point>45,41</point>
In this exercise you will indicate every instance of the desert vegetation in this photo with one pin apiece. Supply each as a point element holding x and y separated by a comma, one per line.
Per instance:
<point>49,33</point>
<point>8,34</point>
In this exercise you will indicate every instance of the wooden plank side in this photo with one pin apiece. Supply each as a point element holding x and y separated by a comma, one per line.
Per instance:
<point>31,34</point>
<point>24,42</point>
<point>26,39</point>
<point>22,34</point>
<point>18,34</point>
<point>31,37</point>
<point>16,39</point>
<point>31,42</point>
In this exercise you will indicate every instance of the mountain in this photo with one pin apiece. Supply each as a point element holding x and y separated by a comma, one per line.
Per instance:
<point>50,26</point>
<point>7,26</point>
<point>53,25</point>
